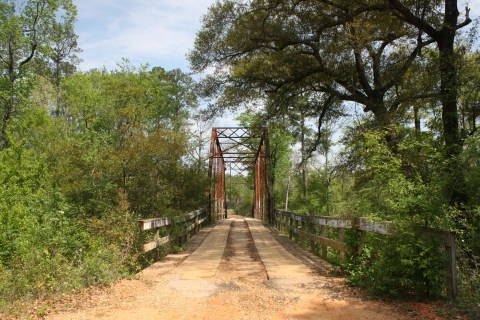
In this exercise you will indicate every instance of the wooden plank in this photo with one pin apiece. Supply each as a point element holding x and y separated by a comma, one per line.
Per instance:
<point>335,222</point>
<point>193,225</point>
<point>194,214</point>
<point>283,213</point>
<point>325,241</point>
<point>300,217</point>
<point>376,227</point>
<point>296,217</point>
<point>156,243</point>
<point>322,240</point>
<point>147,224</point>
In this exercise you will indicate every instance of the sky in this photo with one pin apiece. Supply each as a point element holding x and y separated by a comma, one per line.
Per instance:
<point>157,32</point>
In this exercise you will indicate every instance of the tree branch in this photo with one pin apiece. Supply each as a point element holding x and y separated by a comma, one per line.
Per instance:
<point>325,107</point>
<point>359,65</point>
<point>411,18</point>
<point>404,68</point>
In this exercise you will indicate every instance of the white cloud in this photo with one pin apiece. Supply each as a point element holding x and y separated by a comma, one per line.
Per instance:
<point>158,32</point>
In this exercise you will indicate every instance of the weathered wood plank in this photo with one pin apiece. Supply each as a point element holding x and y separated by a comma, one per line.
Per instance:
<point>192,226</point>
<point>156,243</point>
<point>166,222</point>
<point>341,222</point>
<point>147,224</point>
<point>376,227</point>
<point>334,222</point>
<point>322,240</point>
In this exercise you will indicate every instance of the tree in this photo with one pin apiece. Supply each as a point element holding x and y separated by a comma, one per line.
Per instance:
<point>469,94</point>
<point>128,126</point>
<point>171,97</point>
<point>439,21</point>
<point>60,60</point>
<point>25,30</point>
<point>357,52</point>
<point>317,49</point>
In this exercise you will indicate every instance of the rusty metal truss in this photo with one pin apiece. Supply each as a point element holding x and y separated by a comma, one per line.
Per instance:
<point>241,149</point>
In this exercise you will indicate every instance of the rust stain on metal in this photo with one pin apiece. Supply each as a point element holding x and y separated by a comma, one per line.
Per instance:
<point>243,149</point>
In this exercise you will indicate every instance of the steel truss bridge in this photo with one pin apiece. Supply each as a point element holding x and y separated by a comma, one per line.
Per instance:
<point>241,149</point>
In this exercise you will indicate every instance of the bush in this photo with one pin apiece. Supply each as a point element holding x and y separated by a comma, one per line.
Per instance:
<point>399,266</point>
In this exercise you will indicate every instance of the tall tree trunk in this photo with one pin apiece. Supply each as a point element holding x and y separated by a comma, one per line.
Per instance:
<point>304,155</point>
<point>3,130</point>
<point>386,121</point>
<point>288,188</point>
<point>8,107</point>
<point>416,119</point>
<point>455,184</point>
<point>327,180</point>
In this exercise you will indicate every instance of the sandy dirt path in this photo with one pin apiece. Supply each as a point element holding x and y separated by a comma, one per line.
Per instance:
<point>236,270</point>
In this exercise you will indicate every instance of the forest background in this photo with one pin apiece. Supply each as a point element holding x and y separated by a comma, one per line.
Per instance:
<point>372,109</point>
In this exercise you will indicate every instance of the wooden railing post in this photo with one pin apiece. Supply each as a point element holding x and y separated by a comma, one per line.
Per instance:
<point>358,250</point>
<point>197,224</point>
<point>341,237</point>
<point>302,222</point>
<point>290,225</point>
<point>450,250</point>
<point>282,222</point>
<point>296,225</point>
<point>324,246</point>
<point>313,244</point>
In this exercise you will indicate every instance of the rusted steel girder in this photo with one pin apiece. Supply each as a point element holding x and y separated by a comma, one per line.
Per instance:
<point>247,149</point>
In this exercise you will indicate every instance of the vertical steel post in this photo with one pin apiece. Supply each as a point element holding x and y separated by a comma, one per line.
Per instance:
<point>210,173</point>
<point>269,179</point>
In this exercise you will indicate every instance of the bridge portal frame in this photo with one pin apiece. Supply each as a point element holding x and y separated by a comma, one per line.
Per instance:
<point>249,149</point>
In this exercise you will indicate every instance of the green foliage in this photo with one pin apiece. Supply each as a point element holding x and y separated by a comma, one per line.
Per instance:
<point>240,194</point>
<point>405,190</point>
<point>28,32</point>
<point>471,163</point>
<point>468,283</point>
<point>401,265</point>
<point>74,184</point>
<point>396,186</point>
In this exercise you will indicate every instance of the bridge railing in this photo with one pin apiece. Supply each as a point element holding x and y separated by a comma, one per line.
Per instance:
<point>186,225</point>
<point>314,231</point>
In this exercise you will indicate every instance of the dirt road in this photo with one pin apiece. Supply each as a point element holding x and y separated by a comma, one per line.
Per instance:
<point>235,270</point>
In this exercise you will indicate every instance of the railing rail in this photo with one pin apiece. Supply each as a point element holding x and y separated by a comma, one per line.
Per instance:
<point>196,218</point>
<point>307,228</point>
